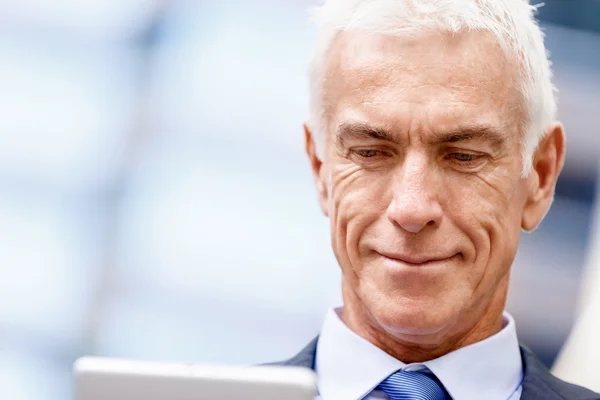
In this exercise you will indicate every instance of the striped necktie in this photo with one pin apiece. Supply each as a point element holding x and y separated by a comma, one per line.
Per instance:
<point>412,385</point>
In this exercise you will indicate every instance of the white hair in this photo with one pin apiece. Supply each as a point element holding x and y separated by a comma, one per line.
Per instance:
<point>512,23</point>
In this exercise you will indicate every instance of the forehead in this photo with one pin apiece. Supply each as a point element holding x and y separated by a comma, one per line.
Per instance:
<point>429,79</point>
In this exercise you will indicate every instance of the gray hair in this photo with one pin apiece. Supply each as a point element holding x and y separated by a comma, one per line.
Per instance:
<point>511,22</point>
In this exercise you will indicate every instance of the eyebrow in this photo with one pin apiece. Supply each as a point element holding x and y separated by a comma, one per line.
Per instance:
<point>486,133</point>
<point>363,131</point>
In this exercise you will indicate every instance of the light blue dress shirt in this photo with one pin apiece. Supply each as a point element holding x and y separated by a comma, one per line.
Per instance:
<point>349,367</point>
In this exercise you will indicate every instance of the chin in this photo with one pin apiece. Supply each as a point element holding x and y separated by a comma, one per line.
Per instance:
<point>413,317</point>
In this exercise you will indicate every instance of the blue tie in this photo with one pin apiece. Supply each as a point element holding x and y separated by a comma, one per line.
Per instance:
<point>411,385</point>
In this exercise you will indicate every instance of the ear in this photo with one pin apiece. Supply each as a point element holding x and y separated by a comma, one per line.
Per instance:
<point>547,163</point>
<point>319,173</point>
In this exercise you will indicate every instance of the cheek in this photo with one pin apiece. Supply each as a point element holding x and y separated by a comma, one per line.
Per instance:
<point>357,200</point>
<point>489,213</point>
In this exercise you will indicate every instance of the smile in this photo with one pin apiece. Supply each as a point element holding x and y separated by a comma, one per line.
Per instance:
<point>417,261</point>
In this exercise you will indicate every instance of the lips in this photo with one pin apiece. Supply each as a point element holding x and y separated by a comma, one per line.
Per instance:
<point>416,260</point>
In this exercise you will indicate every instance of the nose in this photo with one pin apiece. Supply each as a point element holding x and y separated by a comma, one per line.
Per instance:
<point>415,203</point>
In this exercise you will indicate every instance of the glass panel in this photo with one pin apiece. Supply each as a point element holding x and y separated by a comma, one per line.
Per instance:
<point>45,267</point>
<point>65,110</point>
<point>211,220</point>
<point>107,19</point>
<point>27,375</point>
<point>163,326</point>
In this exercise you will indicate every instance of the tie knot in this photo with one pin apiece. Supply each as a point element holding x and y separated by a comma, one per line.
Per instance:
<point>412,385</point>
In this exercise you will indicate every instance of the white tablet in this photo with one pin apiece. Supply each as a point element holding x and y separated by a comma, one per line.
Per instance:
<point>114,379</point>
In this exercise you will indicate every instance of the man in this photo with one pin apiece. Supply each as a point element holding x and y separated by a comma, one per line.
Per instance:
<point>432,143</point>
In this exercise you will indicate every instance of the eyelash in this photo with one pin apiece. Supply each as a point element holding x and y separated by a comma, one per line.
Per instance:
<point>370,153</point>
<point>374,154</point>
<point>472,157</point>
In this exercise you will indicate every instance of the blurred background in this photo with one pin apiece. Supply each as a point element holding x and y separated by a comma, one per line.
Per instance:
<point>155,201</point>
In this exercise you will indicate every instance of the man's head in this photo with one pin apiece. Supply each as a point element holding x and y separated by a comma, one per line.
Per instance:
<point>432,144</point>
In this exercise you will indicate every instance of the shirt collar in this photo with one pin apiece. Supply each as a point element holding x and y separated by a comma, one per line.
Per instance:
<point>350,367</point>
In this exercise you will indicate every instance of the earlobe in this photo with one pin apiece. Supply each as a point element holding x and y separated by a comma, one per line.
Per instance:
<point>547,164</point>
<point>318,171</point>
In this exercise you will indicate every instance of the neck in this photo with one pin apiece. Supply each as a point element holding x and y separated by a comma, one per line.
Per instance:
<point>475,324</point>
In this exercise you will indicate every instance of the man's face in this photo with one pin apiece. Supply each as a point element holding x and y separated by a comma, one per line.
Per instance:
<point>422,177</point>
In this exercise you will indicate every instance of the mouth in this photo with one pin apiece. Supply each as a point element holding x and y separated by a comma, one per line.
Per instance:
<point>418,260</point>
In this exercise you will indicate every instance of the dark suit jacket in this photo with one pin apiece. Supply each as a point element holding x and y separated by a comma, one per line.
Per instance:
<point>538,383</point>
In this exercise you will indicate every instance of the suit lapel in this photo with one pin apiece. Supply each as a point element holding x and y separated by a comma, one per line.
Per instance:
<point>536,378</point>
<point>540,384</point>
<point>306,358</point>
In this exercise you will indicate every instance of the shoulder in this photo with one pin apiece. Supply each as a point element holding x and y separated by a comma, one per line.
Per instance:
<point>539,383</point>
<point>305,358</point>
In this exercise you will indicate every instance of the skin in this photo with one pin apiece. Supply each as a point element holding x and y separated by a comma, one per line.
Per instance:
<point>421,180</point>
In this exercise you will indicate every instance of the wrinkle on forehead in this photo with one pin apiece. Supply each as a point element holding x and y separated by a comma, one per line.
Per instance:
<point>355,51</point>
<point>467,68</point>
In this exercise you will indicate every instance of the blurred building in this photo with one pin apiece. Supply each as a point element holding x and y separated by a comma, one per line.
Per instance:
<point>155,201</point>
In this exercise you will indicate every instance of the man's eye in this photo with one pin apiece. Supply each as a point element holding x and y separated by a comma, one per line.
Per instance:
<point>368,153</point>
<point>464,157</point>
